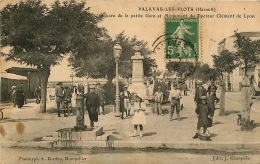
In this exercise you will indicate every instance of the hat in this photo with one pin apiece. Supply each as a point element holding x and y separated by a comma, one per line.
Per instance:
<point>159,87</point>
<point>203,97</point>
<point>125,86</point>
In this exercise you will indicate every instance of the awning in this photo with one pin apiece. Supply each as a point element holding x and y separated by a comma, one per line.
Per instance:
<point>12,76</point>
<point>20,71</point>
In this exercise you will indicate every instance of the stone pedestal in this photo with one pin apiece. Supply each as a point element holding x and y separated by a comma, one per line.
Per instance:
<point>88,134</point>
<point>138,85</point>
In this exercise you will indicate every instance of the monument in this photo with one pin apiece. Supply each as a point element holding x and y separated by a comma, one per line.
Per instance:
<point>137,84</point>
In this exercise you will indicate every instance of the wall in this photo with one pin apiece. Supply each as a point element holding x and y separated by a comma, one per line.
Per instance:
<point>6,85</point>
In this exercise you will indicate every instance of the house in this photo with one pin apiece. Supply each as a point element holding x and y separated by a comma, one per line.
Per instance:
<point>236,77</point>
<point>28,78</point>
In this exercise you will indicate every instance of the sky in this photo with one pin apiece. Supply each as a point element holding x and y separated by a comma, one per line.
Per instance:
<point>147,28</point>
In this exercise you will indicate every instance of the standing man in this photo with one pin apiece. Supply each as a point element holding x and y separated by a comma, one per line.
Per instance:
<point>199,92</point>
<point>100,93</point>
<point>174,98</point>
<point>184,88</point>
<point>92,103</point>
<point>158,98</point>
<point>37,93</point>
<point>127,99</point>
<point>59,97</point>
<point>67,100</point>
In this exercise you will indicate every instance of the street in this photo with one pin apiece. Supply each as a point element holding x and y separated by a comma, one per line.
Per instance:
<point>164,141</point>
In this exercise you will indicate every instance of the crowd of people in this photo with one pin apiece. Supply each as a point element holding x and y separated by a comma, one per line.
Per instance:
<point>204,99</point>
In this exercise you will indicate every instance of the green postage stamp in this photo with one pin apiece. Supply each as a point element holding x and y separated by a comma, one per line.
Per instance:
<point>182,38</point>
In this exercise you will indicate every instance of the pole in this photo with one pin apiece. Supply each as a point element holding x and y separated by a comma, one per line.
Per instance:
<point>117,114</point>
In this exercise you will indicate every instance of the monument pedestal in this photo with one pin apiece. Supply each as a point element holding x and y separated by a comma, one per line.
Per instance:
<point>138,85</point>
<point>68,134</point>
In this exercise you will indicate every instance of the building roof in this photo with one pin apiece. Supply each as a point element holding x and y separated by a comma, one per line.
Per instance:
<point>12,76</point>
<point>21,71</point>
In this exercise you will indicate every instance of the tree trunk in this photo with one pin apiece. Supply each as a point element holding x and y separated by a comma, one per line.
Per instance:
<point>45,73</point>
<point>222,98</point>
<point>245,107</point>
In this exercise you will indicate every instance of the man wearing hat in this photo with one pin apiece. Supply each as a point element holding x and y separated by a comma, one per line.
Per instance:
<point>200,91</point>
<point>174,98</point>
<point>204,115</point>
<point>158,98</point>
<point>59,97</point>
<point>92,103</point>
<point>127,100</point>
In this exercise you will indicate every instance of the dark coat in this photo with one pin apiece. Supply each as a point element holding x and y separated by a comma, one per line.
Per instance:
<point>203,111</point>
<point>92,103</point>
<point>59,93</point>
<point>121,98</point>
<point>211,102</point>
<point>198,92</point>
<point>19,98</point>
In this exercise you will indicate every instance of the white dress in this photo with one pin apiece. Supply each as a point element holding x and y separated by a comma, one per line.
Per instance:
<point>139,116</point>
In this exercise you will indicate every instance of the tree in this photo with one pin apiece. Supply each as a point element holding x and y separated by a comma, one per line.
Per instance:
<point>248,56</point>
<point>40,36</point>
<point>101,63</point>
<point>181,68</point>
<point>248,52</point>
<point>225,62</point>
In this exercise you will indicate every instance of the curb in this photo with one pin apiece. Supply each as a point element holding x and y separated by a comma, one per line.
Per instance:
<point>201,145</point>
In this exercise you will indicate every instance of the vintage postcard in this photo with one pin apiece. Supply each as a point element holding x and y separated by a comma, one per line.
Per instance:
<point>123,81</point>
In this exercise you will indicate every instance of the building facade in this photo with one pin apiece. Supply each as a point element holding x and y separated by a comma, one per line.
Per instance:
<point>238,74</point>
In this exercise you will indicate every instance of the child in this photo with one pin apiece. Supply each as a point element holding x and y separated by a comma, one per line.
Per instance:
<point>139,117</point>
<point>203,112</point>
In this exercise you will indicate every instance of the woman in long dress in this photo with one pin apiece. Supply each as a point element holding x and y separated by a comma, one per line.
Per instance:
<point>19,98</point>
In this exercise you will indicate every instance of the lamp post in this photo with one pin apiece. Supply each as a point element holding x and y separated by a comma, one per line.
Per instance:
<point>117,49</point>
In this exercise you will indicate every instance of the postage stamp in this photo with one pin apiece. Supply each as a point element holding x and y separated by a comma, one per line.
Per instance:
<point>181,38</point>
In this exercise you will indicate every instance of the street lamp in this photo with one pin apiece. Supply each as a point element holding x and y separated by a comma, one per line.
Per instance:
<point>117,50</point>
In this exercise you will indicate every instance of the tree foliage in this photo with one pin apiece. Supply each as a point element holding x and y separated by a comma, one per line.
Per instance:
<point>40,36</point>
<point>181,68</point>
<point>225,62</point>
<point>248,51</point>
<point>101,63</point>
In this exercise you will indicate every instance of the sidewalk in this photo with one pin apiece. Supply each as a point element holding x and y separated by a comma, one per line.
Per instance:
<point>26,127</point>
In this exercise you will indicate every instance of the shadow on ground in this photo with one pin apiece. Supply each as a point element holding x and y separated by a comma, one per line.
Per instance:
<point>150,133</point>
<point>255,125</point>
<point>231,112</point>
